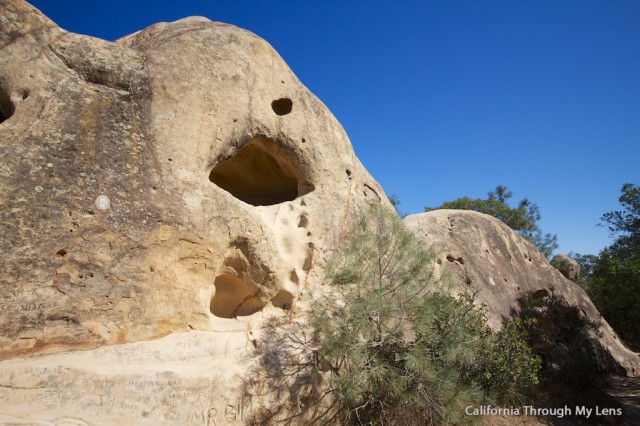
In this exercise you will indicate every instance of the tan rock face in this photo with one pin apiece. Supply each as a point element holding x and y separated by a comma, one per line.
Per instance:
<point>161,196</point>
<point>177,179</point>
<point>181,179</point>
<point>478,252</point>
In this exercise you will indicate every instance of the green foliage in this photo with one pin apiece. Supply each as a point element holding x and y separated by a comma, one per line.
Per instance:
<point>522,219</point>
<point>561,263</point>
<point>507,367</point>
<point>587,263</point>
<point>385,343</point>
<point>614,280</point>
<point>399,350</point>
<point>615,289</point>
<point>395,202</point>
<point>626,223</point>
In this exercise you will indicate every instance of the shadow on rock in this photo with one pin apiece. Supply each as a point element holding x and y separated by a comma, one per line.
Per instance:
<point>288,380</point>
<point>575,367</point>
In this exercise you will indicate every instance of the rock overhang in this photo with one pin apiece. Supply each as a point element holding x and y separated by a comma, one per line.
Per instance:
<point>260,172</point>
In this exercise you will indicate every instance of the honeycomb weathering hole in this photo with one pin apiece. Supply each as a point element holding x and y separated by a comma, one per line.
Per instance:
<point>282,106</point>
<point>233,298</point>
<point>6,106</point>
<point>283,300</point>
<point>259,173</point>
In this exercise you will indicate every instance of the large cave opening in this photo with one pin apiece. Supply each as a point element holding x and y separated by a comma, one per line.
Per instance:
<point>261,174</point>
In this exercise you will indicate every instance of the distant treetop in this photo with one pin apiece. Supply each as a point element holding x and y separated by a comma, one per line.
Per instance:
<point>522,219</point>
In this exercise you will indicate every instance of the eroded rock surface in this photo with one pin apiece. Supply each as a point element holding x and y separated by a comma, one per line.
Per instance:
<point>478,252</point>
<point>180,180</point>
<point>144,178</point>
<point>163,195</point>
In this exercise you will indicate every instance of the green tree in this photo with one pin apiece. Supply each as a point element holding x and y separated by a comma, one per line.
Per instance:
<point>523,218</point>
<point>507,368</point>
<point>625,223</point>
<point>587,263</point>
<point>395,202</point>
<point>614,284</point>
<point>389,345</point>
<point>403,351</point>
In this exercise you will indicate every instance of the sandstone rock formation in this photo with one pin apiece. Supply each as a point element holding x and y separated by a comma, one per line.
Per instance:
<point>567,266</point>
<point>478,252</point>
<point>146,182</point>
<point>163,195</point>
<point>180,180</point>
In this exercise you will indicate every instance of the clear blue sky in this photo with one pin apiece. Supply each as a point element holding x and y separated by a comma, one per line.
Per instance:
<point>443,99</point>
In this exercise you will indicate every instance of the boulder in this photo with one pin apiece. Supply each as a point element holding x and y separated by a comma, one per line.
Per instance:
<point>567,266</point>
<point>179,184</point>
<point>478,253</point>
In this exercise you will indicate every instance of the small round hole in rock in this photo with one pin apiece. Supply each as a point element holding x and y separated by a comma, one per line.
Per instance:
<point>282,106</point>
<point>283,300</point>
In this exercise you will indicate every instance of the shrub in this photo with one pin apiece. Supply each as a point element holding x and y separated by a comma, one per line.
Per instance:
<point>508,370</point>
<point>387,344</point>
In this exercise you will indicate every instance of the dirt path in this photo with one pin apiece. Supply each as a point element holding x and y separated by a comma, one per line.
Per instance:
<point>627,391</point>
